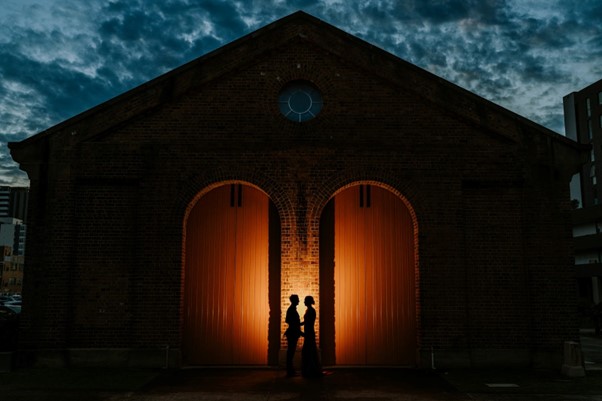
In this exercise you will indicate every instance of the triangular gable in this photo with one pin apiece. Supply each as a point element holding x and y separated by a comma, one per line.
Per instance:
<point>297,26</point>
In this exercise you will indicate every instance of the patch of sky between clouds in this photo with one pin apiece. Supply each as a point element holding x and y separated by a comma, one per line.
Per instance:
<point>49,15</point>
<point>16,87</point>
<point>538,9</point>
<point>10,8</point>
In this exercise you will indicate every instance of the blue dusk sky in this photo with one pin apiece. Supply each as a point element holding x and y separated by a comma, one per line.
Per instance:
<point>59,58</point>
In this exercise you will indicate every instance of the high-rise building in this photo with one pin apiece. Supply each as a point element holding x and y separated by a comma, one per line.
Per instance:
<point>13,202</point>
<point>12,234</point>
<point>583,123</point>
<point>4,201</point>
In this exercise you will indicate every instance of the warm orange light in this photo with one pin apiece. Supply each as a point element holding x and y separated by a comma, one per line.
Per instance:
<point>301,286</point>
<point>374,276</point>
<point>226,307</point>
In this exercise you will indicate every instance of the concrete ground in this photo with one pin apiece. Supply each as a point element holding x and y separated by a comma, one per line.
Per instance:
<point>96,384</point>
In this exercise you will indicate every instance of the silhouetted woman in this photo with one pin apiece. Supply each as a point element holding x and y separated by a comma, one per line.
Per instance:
<point>310,363</point>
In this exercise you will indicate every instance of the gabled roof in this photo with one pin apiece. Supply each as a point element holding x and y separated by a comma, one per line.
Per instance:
<point>297,26</point>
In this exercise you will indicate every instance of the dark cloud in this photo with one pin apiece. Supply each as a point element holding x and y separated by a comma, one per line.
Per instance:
<point>9,172</point>
<point>225,15</point>
<point>443,11</point>
<point>64,91</point>
<point>152,40</point>
<point>303,4</point>
<point>487,12</point>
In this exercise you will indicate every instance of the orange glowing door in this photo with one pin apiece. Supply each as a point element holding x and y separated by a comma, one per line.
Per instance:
<point>226,278</point>
<point>375,306</point>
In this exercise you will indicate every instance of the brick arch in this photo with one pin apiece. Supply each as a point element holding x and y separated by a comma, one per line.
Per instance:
<point>403,189</point>
<point>399,190</point>
<point>200,185</point>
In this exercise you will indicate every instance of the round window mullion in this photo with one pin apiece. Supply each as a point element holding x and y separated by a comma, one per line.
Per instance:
<point>300,101</point>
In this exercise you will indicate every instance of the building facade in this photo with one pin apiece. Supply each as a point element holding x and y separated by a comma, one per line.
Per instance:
<point>11,272</point>
<point>174,221</point>
<point>583,123</point>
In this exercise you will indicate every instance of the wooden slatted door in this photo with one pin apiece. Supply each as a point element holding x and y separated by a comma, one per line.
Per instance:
<point>375,305</point>
<point>226,306</point>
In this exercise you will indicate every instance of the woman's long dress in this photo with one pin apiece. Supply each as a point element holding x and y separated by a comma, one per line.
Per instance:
<point>310,362</point>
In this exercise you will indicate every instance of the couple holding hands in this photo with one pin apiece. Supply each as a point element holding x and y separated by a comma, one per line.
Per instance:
<point>310,363</point>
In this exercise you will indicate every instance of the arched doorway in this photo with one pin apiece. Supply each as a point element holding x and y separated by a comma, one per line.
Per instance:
<point>232,250</point>
<point>367,273</point>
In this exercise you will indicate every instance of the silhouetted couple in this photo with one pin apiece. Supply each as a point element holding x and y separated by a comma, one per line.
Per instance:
<point>310,363</point>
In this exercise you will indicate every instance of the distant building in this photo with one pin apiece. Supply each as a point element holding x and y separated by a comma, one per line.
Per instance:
<point>13,202</point>
<point>11,271</point>
<point>12,233</point>
<point>583,123</point>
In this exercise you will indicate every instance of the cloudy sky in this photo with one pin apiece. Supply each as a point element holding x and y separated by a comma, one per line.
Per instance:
<point>61,57</point>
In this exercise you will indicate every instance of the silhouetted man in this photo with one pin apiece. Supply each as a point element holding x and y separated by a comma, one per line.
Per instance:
<point>292,333</point>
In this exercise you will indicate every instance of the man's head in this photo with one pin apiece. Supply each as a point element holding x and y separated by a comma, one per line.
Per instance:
<point>294,298</point>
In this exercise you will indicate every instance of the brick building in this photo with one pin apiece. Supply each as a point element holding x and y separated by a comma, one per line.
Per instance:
<point>175,220</point>
<point>583,123</point>
<point>11,271</point>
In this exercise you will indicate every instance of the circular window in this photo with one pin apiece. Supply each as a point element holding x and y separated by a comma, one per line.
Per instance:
<point>300,101</point>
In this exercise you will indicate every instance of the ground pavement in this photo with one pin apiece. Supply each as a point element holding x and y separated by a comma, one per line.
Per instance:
<point>95,384</point>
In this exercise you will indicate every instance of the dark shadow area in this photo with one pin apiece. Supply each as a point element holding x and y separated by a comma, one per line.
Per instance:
<point>274,261</point>
<point>9,329</point>
<point>271,384</point>
<point>327,284</point>
<point>357,384</point>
